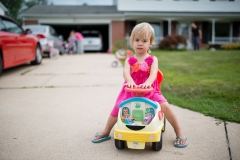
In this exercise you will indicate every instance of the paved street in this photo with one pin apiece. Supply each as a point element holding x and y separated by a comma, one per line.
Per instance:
<point>52,111</point>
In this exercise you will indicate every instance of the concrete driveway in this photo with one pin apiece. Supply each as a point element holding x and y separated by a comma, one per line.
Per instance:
<point>52,111</point>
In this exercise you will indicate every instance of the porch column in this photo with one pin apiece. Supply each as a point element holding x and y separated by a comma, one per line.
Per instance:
<point>213,31</point>
<point>169,26</point>
<point>189,31</point>
<point>231,33</point>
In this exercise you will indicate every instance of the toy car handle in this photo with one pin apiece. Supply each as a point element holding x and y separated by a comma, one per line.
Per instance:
<point>138,90</point>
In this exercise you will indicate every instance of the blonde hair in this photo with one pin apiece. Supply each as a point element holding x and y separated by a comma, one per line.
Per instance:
<point>142,30</point>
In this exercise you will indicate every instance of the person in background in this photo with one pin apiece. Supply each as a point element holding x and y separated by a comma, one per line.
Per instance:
<point>79,38</point>
<point>71,42</point>
<point>195,36</point>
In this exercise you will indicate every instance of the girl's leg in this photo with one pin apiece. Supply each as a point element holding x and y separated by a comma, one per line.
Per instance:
<point>109,125</point>
<point>172,119</point>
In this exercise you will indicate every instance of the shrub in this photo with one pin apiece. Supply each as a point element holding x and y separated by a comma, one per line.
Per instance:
<point>231,46</point>
<point>118,44</point>
<point>171,42</point>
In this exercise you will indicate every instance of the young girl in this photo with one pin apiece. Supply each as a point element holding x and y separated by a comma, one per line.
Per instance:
<point>141,70</point>
<point>71,42</point>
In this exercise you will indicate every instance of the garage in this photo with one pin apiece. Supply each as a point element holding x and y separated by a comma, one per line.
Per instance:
<point>104,19</point>
<point>64,30</point>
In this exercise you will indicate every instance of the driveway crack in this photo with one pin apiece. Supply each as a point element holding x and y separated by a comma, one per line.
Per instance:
<point>228,144</point>
<point>47,81</point>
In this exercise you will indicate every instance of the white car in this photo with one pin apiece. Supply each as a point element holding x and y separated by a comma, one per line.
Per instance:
<point>47,35</point>
<point>92,40</point>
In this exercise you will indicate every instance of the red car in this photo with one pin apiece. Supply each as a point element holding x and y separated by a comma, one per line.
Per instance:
<point>16,45</point>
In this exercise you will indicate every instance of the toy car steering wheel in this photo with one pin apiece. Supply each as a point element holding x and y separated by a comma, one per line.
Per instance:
<point>138,91</point>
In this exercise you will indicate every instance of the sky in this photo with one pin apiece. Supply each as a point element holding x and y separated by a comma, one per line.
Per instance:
<point>80,2</point>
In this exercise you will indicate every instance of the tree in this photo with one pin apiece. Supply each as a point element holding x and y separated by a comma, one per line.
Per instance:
<point>30,3</point>
<point>13,7</point>
<point>16,7</point>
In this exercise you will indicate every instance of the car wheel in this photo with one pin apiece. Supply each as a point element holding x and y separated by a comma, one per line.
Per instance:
<point>164,124</point>
<point>157,146</point>
<point>1,66</point>
<point>119,144</point>
<point>38,56</point>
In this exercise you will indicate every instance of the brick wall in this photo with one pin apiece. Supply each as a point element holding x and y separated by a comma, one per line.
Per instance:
<point>118,31</point>
<point>28,22</point>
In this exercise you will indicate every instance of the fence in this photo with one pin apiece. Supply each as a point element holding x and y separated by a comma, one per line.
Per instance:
<point>224,40</point>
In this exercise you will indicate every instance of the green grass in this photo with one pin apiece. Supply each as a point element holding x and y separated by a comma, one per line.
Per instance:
<point>203,81</point>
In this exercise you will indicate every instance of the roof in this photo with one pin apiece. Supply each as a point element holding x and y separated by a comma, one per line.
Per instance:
<point>139,99</point>
<point>63,10</point>
<point>3,7</point>
<point>97,10</point>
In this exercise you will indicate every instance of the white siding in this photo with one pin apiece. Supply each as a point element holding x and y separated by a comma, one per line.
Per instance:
<point>178,6</point>
<point>2,11</point>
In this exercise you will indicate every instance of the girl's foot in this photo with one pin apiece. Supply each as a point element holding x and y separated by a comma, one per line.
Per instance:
<point>181,142</point>
<point>100,137</point>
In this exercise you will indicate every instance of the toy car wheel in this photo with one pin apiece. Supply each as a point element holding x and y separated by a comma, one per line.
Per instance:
<point>119,144</point>
<point>164,123</point>
<point>157,146</point>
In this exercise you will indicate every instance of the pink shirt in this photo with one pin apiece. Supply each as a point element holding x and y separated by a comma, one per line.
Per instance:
<point>79,36</point>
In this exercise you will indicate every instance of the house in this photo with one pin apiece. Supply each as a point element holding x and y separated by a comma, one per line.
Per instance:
<point>3,9</point>
<point>219,20</point>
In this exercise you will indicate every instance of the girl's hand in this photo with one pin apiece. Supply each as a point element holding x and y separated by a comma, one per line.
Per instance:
<point>131,84</point>
<point>145,85</point>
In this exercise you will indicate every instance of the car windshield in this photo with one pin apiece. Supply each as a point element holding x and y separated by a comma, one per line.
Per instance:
<point>36,29</point>
<point>90,35</point>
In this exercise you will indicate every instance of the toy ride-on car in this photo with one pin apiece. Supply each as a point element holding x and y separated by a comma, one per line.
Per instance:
<point>122,54</point>
<point>140,120</point>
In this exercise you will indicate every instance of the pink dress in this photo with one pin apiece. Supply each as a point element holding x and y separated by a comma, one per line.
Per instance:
<point>140,72</point>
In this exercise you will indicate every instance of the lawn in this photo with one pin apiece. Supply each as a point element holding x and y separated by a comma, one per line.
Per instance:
<point>204,81</point>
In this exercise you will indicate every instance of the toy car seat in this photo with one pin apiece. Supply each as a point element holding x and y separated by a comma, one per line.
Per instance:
<point>159,78</point>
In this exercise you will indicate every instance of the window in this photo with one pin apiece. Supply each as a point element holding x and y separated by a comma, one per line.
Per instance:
<point>52,31</point>
<point>149,0</point>
<point>12,27</point>
<point>221,0</point>
<point>183,29</point>
<point>157,30</point>
<point>90,35</point>
<point>36,29</point>
<point>221,30</point>
<point>2,28</point>
<point>185,0</point>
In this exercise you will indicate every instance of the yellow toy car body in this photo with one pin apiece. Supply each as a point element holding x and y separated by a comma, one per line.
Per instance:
<point>140,120</point>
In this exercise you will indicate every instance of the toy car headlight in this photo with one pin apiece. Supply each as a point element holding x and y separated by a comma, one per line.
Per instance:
<point>151,137</point>
<point>120,135</point>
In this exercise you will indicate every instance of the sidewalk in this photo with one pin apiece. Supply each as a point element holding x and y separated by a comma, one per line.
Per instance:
<point>52,111</point>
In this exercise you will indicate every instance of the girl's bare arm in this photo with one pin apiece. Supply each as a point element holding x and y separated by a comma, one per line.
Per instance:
<point>127,75</point>
<point>153,74</point>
